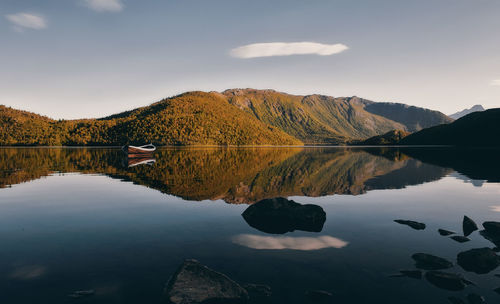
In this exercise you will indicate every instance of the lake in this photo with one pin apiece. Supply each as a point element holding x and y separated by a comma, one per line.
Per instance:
<point>90,219</point>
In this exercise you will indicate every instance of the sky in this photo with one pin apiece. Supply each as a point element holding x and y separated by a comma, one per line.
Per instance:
<point>91,58</point>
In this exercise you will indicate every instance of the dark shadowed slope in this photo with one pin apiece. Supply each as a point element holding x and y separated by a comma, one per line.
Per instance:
<point>476,129</point>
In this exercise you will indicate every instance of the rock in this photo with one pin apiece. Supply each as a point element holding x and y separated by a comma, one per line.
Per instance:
<point>195,283</point>
<point>475,299</point>
<point>468,226</point>
<point>82,293</point>
<point>480,260</point>
<point>455,300</point>
<point>279,215</point>
<point>460,239</point>
<point>258,291</point>
<point>412,224</point>
<point>430,262</point>
<point>414,274</point>
<point>445,232</point>
<point>318,296</point>
<point>492,228</point>
<point>495,239</point>
<point>447,281</point>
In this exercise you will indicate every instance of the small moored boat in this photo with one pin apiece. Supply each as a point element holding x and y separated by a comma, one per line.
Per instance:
<point>146,149</point>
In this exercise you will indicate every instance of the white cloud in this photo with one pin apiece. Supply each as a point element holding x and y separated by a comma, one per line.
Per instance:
<point>281,242</point>
<point>105,5</point>
<point>286,49</point>
<point>495,82</point>
<point>21,21</point>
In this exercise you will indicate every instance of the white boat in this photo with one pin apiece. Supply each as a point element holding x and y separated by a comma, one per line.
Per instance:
<point>146,149</point>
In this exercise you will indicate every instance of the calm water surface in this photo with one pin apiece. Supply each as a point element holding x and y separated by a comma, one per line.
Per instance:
<point>77,219</point>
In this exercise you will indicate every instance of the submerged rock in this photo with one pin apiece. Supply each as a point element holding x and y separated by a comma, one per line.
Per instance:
<point>446,280</point>
<point>445,232</point>
<point>279,215</point>
<point>414,274</point>
<point>258,291</point>
<point>195,283</point>
<point>468,226</point>
<point>318,296</point>
<point>430,262</point>
<point>412,224</point>
<point>495,239</point>
<point>460,239</point>
<point>81,293</point>
<point>492,228</point>
<point>475,299</point>
<point>480,260</point>
<point>455,300</point>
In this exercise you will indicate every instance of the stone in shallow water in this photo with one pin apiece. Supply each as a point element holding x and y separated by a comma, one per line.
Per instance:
<point>460,239</point>
<point>412,224</point>
<point>468,225</point>
<point>414,274</point>
<point>318,296</point>
<point>258,292</point>
<point>492,228</point>
<point>195,283</point>
<point>81,293</point>
<point>479,260</point>
<point>446,280</point>
<point>475,299</point>
<point>455,300</point>
<point>279,216</point>
<point>445,232</point>
<point>430,262</point>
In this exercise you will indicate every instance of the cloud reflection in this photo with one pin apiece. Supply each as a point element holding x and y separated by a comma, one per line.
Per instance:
<point>495,208</point>
<point>294,243</point>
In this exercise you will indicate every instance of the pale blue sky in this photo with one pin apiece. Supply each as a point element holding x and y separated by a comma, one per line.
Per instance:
<point>90,58</point>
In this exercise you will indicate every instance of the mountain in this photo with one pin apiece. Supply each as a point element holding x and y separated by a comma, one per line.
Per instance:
<point>476,108</point>
<point>475,129</point>
<point>414,118</point>
<point>390,138</point>
<point>188,119</point>
<point>325,119</point>
<point>233,117</point>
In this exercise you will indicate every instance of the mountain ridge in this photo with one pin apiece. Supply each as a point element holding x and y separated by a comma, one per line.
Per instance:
<point>460,114</point>
<point>231,117</point>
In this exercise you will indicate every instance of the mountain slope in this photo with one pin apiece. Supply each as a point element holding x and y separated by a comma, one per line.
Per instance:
<point>475,129</point>
<point>312,118</point>
<point>476,108</point>
<point>414,118</point>
<point>188,119</point>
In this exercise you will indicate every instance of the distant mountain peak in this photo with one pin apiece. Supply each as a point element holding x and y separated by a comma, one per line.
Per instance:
<point>475,108</point>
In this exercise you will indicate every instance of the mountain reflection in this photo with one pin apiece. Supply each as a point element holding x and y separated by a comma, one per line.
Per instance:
<point>235,175</point>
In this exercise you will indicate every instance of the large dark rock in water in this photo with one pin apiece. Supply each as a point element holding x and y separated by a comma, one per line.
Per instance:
<point>445,232</point>
<point>279,215</point>
<point>412,224</point>
<point>446,280</point>
<point>492,228</point>
<point>468,226</point>
<point>475,299</point>
<point>430,262</point>
<point>480,260</point>
<point>195,283</point>
<point>460,239</point>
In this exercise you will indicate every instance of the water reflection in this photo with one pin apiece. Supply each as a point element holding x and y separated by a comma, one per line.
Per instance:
<point>293,243</point>
<point>234,175</point>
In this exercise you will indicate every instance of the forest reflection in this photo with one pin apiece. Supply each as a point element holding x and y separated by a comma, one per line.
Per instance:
<point>235,175</point>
